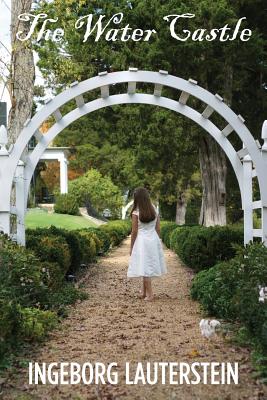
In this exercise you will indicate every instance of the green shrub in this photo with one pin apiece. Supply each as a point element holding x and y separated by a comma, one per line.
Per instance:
<point>166,230</point>
<point>231,290</point>
<point>68,294</point>
<point>200,247</point>
<point>21,285</point>
<point>214,289</point>
<point>51,248</point>
<point>66,204</point>
<point>117,231</point>
<point>103,238</point>
<point>114,236</point>
<point>53,276</point>
<point>88,246</point>
<point>9,323</point>
<point>177,237</point>
<point>70,237</point>
<point>73,241</point>
<point>35,323</point>
<point>20,275</point>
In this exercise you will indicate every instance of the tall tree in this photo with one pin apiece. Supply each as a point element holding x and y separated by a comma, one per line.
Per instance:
<point>22,71</point>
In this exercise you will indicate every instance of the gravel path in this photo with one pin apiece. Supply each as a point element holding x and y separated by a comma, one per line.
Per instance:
<point>114,325</point>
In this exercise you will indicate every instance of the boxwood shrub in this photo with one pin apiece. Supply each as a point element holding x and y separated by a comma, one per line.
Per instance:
<point>166,229</point>
<point>103,237</point>
<point>230,290</point>
<point>117,231</point>
<point>201,248</point>
<point>51,248</point>
<point>88,242</point>
<point>70,237</point>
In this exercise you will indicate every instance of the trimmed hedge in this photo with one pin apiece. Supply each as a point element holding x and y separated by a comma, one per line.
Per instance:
<point>104,238</point>
<point>66,204</point>
<point>83,244</point>
<point>230,290</point>
<point>166,229</point>
<point>117,231</point>
<point>200,247</point>
<point>70,238</point>
<point>51,248</point>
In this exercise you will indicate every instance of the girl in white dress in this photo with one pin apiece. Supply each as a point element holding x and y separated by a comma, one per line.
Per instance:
<point>146,255</point>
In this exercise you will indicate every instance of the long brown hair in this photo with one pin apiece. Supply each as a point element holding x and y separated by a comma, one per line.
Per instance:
<point>143,203</point>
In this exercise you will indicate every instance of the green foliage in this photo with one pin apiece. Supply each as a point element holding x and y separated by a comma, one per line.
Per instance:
<point>166,229</point>
<point>117,231</point>
<point>35,323</point>
<point>67,295</point>
<point>230,290</point>
<point>200,247</point>
<point>53,276</point>
<point>51,248</point>
<point>73,242</point>
<point>22,286</point>
<point>214,288</point>
<point>103,238</point>
<point>99,191</point>
<point>177,237</point>
<point>70,237</point>
<point>20,275</point>
<point>88,241</point>
<point>66,204</point>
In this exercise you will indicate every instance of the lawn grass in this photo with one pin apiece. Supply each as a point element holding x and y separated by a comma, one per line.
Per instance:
<point>37,218</point>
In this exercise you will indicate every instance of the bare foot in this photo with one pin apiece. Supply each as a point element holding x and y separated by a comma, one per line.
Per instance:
<point>149,298</point>
<point>141,295</point>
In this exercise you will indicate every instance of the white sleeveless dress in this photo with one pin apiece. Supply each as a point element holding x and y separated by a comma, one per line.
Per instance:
<point>147,258</point>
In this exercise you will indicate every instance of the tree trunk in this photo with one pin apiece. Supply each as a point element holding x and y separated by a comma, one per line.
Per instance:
<point>181,206</point>
<point>22,73</point>
<point>213,173</point>
<point>213,168</point>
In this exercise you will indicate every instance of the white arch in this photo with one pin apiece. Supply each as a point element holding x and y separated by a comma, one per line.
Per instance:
<point>94,105</point>
<point>214,103</point>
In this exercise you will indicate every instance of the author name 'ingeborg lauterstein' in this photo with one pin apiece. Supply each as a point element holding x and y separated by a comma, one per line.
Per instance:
<point>172,373</point>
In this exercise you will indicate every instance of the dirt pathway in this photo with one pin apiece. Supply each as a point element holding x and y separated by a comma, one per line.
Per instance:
<point>114,325</point>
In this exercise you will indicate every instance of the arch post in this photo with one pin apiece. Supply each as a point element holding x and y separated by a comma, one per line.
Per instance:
<point>264,207</point>
<point>20,203</point>
<point>248,200</point>
<point>5,181</point>
<point>5,222</point>
<point>63,162</point>
<point>264,225</point>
